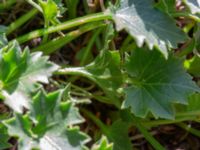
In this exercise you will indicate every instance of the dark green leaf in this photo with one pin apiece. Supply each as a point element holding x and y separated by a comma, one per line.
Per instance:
<point>147,24</point>
<point>3,138</point>
<point>168,6</point>
<point>106,73</point>
<point>118,135</point>
<point>156,83</point>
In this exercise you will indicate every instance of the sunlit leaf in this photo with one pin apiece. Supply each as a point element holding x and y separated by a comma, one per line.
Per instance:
<point>147,24</point>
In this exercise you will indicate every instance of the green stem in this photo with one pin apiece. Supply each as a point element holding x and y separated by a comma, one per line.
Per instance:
<point>7,4</point>
<point>164,122</point>
<point>189,114</point>
<point>19,22</point>
<point>147,135</point>
<point>89,47</point>
<point>55,44</point>
<point>64,26</point>
<point>34,4</point>
<point>189,129</point>
<point>46,25</point>
<point>94,96</point>
<point>180,14</point>
<point>97,121</point>
<point>81,71</point>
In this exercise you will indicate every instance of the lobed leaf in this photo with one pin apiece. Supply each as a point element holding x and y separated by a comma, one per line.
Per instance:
<point>147,24</point>
<point>156,83</point>
<point>19,71</point>
<point>52,127</point>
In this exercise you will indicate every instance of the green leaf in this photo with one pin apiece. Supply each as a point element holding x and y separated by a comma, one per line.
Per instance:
<point>168,6</point>
<point>50,9</point>
<point>19,71</point>
<point>52,128</point>
<point>104,71</point>
<point>118,135</point>
<point>46,108</point>
<point>194,5</point>
<point>147,24</point>
<point>194,103</point>
<point>103,144</point>
<point>156,83</point>
<point>3,138</point>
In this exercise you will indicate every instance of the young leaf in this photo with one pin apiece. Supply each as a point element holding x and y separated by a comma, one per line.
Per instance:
<point>103,144</point>
<point>193,66</point>
<point>194,5</point>
<point>146,23</point>
<point>156,83</point>
<point>50,9</point>
<point>53,131</point>
<point>19,71</point>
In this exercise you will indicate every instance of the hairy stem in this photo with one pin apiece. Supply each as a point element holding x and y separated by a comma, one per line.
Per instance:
<point>64,26</point>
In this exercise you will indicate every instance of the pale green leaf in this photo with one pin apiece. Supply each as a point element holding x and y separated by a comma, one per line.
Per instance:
<point>50,9</point>
<point>19,71</point>
<point>53,125</point>
<point>103,144</point>
<point>156,83</point>
<point>3,40</point>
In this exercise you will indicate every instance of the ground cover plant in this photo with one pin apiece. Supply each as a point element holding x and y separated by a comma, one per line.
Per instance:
<point>99,74</point>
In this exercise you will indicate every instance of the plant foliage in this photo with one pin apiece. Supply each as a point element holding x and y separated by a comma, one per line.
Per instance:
<point>138,58</point>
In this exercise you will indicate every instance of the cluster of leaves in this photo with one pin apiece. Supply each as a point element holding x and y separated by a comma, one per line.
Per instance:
<point>145,82</point>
